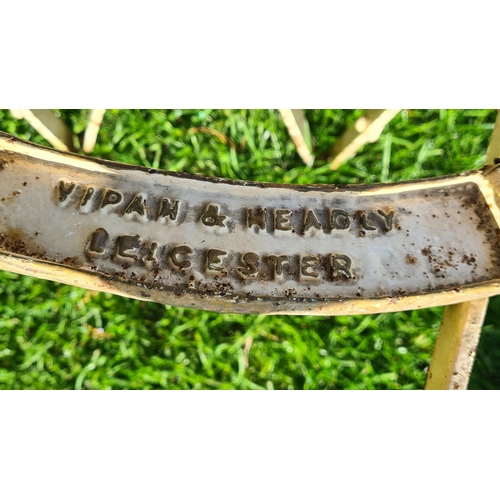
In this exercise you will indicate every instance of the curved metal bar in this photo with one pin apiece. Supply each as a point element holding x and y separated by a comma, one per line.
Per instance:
<point>245,247</point>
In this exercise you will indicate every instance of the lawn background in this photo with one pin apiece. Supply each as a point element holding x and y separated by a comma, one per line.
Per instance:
<point>55,336</point>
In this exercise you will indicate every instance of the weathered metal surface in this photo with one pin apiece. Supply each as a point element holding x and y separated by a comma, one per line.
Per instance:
<point>234,246</point>
<point>456,345</point>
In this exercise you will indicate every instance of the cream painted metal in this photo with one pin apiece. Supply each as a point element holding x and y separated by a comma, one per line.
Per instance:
<point>456,345</point>
<point>54,130</point>
<point>234,246</point>
<point>458,337</point>
<point>49,126</point>
<point>366,129</point>
<point>89,139</point>
<point>298,128</point>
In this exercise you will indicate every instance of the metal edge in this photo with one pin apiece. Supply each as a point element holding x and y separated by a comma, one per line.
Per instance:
<point>242,304</point>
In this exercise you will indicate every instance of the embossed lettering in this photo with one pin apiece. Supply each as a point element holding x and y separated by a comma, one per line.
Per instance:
<point>278,262</point>
<point>98,240</point>
<point>88,194</point>
<point>212,218</point>
<point>341,266</point>
<point>65,190</point>
<point>213,258</point>
<point>181,250</point>
<point>310,221</point>
<point>388,218</point>
<point>138,205</point>
<point>340,219</point>
<point>282,221</point>
<point>151,257</point>
<point>111,198</point>
<point>308,266</point>
<point>169,209</point>
<point>256,217</point>
<point>364,221</point>
<point>127,247</point>
<point>249,260</point>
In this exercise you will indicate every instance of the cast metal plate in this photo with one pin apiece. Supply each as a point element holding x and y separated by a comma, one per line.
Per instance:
<point>234,246</point>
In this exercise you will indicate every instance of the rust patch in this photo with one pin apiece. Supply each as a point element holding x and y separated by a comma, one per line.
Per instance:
<point>410,259</point>
<point>14,242</point>
<point>468,259</point>
<point>71,262</point>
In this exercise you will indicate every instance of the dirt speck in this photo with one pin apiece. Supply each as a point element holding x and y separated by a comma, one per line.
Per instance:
<point>426,251</point>
<point>468,259</point>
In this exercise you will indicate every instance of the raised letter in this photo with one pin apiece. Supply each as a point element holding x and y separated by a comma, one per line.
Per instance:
<point>278,261</point>
<point>310,221</point>
<point>249,260</point>
<point>282,222</point>
<point>111,198</point>
<point>126,244</point>
<point>364,222</point>
<point>87,196</point>
<point>98,240</point>
<point>151,257</point>
<point>340,219</point>
<point>388,218</point>
<point>308,266</point>
<point>181,250</point>
<point>65,190</point>
<point>341,266</point>
<point>213,258</point>
<point>169,209</point>
<point>212,218</point>
<point>137,205</point>
<point>258,218</point>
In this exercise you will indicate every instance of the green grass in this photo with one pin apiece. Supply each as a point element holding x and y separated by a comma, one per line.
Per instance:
<point>55,336</point>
